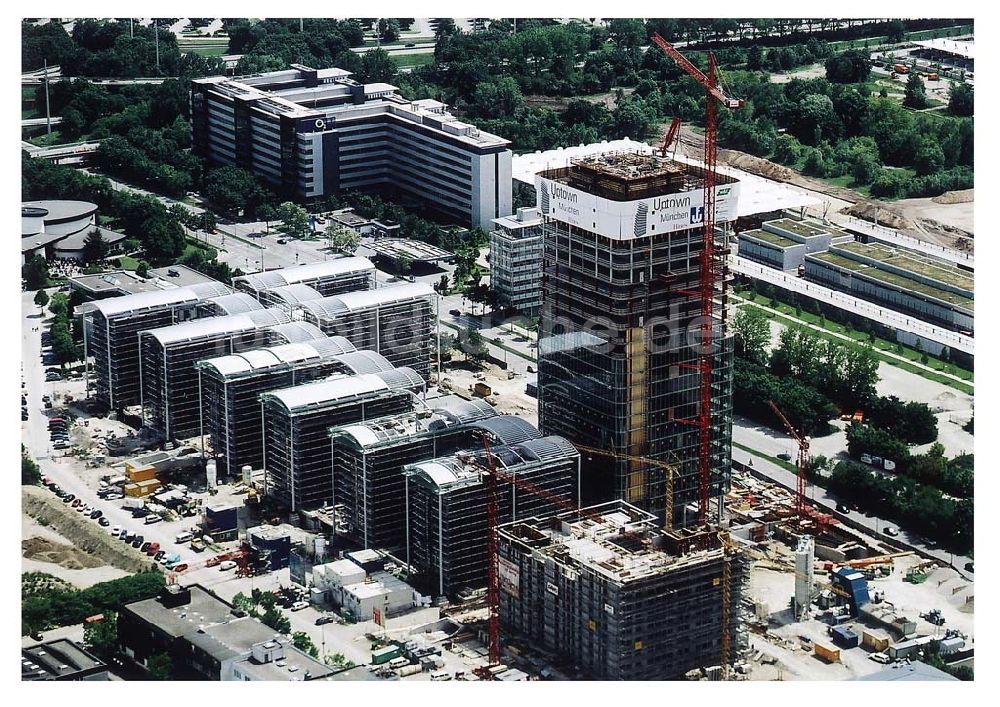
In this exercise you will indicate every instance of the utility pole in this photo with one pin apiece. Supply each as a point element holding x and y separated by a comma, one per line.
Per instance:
<point>301,21</point>
<point>156,43</point>
<point>48,109</point>
<point>438,316</point>
<point>131,33</point>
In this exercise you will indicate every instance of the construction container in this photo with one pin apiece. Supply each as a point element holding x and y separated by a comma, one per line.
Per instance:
<point>951,645</point>
<point>827,653</point>
<point>385,654</point>
<point>221,518</point>
<point>409,670</point>
<point>136,474</point>
<point>845,637</point>
<point>142,488</point>
<point>482,390</point>
<point>875,640</point>
<point>276,542</point>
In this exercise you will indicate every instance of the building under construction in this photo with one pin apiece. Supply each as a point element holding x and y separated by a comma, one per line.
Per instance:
<point>368,460</point>
<point>168,378</point>
<point>331,277</point>
<point>231,387</point>
<point>297,455</point>
<point>397,321</point>
<point>620,362</point>
<point>620,598</point>
<point>446,506</point>
<point>111,335</point>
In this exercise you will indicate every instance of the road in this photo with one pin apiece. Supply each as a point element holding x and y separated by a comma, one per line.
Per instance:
<point>828,503</point>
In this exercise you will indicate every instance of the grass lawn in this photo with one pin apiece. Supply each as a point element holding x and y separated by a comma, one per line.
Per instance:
<point>44,140</point>
<point>880,346</point>
<point>126,262</point>
<point>787,466</point>
<point>203,50</point>
<point>408,60</point>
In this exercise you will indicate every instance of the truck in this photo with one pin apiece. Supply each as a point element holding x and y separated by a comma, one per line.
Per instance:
<point>827,653</point>
<point>385,654</point>
<point>901,68</point>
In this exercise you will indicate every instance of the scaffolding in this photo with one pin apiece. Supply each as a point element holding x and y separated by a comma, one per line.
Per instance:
<point>331,277</point>
<point>618,596</point>
<point>111,335</point>
<point>619,362</point>
<point>398,322</point>
<point>446,504</point>
<point>368,460</point>
<point>297,456</point>
<point>168,378</point>
<point>230,388</point>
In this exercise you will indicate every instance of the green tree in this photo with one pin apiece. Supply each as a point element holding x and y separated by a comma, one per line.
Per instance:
<point>341,238</point>
<point>928,157</point>
<point>753,334</point>
<point>442,285</point>
<point>142,270</point>
<point>160,666</point>
<point>377,67</point>
<point>30,475</point>
<point>787,149</point>
<point>102,636</point>
<point>41,298</point>
<point>915,95</point>
<point>896,31</point>
<point>850,67</point>
<point>276,619</point>
<point>62,342</point>
<point>232,189</point>
<point>35,273</point>
<point>206,221</point>
<point>755,58</point>
<point>301,640</point>
<point>388,29</point>
<point>961,100</point>
<point>473,345</point>
<point>94,247</point>
<point>295,220</point>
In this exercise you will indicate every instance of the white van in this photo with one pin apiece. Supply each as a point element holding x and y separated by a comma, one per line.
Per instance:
<point>399,662</point>
<point>440,675</point>
<point>183,537</point>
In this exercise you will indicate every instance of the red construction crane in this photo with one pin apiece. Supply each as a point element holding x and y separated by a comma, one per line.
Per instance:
<point>712,265</point>
<point>801,461</point>
<point>671,136</point>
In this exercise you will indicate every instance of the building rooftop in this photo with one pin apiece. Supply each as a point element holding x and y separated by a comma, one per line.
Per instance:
<point>768,237</point>
<point>77,240</point>
<point>385,431</point>
<point>180,275</point>
<point>799,228</point>
<point>920,264</point>
<point>60,659</point>
<point>964,49</point>
<point>236,303</point>
<point>61,211</point>
<point>340,387</point>
<point>119,282</point>
<point>339,305</point>
<point>915,671</point>
<point>302,273</point>
<point>295,332</point>
<point>283,355</point>
<point>210,327</point>
<point>526,217</point>
<point>417,251</point>
<point>204,608</point>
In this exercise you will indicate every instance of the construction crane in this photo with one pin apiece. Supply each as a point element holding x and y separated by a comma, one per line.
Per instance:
<point>727,554</point>
<point>671,136</point>
<point>800,462</point>
<point>711,266</point>
<point>667,468</point>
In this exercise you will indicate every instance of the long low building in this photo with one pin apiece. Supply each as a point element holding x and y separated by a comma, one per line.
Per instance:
<point>330,277</point>
<point>784,243</point>
<point>312,133</point>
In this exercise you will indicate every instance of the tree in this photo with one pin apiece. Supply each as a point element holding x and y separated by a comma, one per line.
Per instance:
<point>30,475</point>
<point>755,58</point>
<point>35,273</point>
<point>301,640</point>
<point>342,239</point>
<point>388,29</point>
<point>295,220</point>
<point>753,334</point>
<point>403,264</point>
<point>787,149</point>
<point>276,619</point>
<point>94,247</point>
<point>928,157</point>
<point>377,67</point>
<point>445,27</point>
<point>160,666</point>
<point>473,345</point>
<point>232,189</point>
<point>206,221</point>
<point>62,342</point>
<point>102,636</point>
<point>442,285</point>
<point>41,298</point>
<point>916,94</point>
<point>142,270</point>
<point>850,67</point>
<point>896,31</point>
<point>961,100</point>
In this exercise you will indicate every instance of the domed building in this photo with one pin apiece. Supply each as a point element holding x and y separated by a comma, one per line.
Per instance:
<point>59,229</point>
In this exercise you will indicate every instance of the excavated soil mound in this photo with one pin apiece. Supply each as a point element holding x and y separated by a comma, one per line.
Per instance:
<point>66,556</point>
<point>756,165</point>
<point>962,196</point>
<point>870,211</point>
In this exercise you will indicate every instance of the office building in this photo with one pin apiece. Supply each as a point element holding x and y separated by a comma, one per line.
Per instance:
<point>610,591</point>
<point>297,455</point>
<point>784,243</point>
<point>230,388</point>
<point>369,456</point>
<point>311,133</point>
<point>167,374</point>
<point>331,277</point>
<point>446,506</point>
<point>61,660</point>
<point>516,261</point>
<point>619,360</point>
<point>397,322</point>
<point>111,335</point>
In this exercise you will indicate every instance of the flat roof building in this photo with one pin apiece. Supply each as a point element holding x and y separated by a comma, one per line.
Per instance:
<point>610,591</point>
<point>61,660</point>
<point>446,505</point>
<point>516,261</point>
<point>167,374</point>
<point>312,133</point>
<point>111,335</point>
<point>619,365</point>
<point>397,321</point>
<point>297,454</point>
<point>330,277</point>
<point>784,243</point>
<point>369,456</point>
<point>230,388</point>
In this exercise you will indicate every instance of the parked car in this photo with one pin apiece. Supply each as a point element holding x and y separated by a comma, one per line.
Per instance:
<point>227,565</point>
<point>282,241</point>
<point>891,531</point>
<point>150,519</point>
<point>76,502</point>
<point>68,498</point>
<point>325,619</point>
<point>153,549</point>
<point>96,514</point>
<point>454,312</point>
<point>300,605</point>
<point>785,456</point>
<point>144,548</point>
<point>137,543</point>
<point>880,658</point>
<point>103,522</point>
<point>53,376</point>
<point>116,531</point>
<point>114,496</point>
<point>968,567</point>
<point>159,555</point>
<point>843,508</point>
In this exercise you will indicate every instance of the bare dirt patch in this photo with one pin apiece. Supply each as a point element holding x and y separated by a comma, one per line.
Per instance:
<point>955,197</point>
<point>68,556</point>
